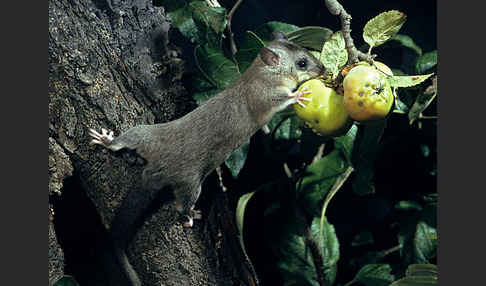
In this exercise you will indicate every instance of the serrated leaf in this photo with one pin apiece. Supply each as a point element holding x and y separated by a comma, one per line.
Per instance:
<point>237,159</point>
<point>329,247</point>
<point>264,32</point>
<point>312,37</point>
<point>334,54</point>
<point>407,81</point>
<point>408,42</point>
<point>249,48</point>
<point>382,27</point>
<point>426,62</point>
<point>66,280</point>
<point>218,69</point>
<point>375,275</point>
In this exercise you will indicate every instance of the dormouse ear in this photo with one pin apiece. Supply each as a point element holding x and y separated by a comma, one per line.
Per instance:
<point>269,57</point>
<point>279,35</point>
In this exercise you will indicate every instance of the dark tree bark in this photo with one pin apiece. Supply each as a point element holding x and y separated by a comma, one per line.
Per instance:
<point>59,168</point>
<point>109,68</point>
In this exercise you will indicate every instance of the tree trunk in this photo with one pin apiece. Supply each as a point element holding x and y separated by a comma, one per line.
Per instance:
<point>108,68</point>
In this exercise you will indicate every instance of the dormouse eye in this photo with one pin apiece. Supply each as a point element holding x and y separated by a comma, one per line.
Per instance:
<point>302,64</point>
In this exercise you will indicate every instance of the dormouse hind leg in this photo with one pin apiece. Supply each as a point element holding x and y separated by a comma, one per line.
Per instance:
<point>185,199</point>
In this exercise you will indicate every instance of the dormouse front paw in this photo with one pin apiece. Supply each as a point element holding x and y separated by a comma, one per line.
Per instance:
<point>299,95</point>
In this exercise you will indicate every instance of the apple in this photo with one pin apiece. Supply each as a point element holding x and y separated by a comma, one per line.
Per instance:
<point>367,93</point>
<point>325,114</point>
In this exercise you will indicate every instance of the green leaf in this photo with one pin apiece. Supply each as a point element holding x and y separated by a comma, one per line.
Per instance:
<point>422,270</point>
<point>345,143</point>
<point>425,242</point>
<point>285,127</point>
<point>419,275</point>
<point>236,160</point>
<point>407,41</point>
<point>312,37</point>
<point>423,101</point>
<point>295,263</point>
<point>249,48</point>
<point>416,281</point>
<point>407,81</point>
<point>198,22</point>
<point>218,69</point>
<point>318,179</point>
<point>264,32</point>
<point>66,280</point>
<point>328,245</point>
<point>334,54</point>
<point>418,236</point>
<point>426,62</point>
<point>408,205</point>
<point>375,275</point>
<point>240,215</point>
<point>240,211</point>
<point>180,12</point>
<point>364,156</point>
<point>382,27</point>
<point>210,22</point>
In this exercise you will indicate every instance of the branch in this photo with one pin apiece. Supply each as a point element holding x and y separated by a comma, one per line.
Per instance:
<point>354,54</point>
<point>229,17</point>
<point>228,27</point>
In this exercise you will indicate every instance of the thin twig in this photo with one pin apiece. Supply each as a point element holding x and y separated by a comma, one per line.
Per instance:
<point>228,27</point>
<point>320,152</point>
<point>337,185</point>
<point>354,55</point>
<point>426,117</point>
<point>391,250</point>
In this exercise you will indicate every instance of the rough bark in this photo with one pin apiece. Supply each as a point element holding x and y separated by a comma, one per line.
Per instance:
<point>59,168</point>
<point>110,70</point>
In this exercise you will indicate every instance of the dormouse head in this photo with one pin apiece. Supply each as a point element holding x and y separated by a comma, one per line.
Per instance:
<point>290,59</point>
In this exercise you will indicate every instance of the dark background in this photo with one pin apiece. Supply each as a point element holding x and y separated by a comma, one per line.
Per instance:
<point>401,155</point>
<point>401,169</point>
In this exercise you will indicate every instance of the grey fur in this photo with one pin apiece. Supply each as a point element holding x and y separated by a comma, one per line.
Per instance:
<point>181,153</point>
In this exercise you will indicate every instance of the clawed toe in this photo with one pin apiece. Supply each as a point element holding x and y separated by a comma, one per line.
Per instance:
<point>104,138</point>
